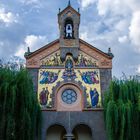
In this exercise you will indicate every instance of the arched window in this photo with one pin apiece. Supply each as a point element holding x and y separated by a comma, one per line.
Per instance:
<point>69,29</point>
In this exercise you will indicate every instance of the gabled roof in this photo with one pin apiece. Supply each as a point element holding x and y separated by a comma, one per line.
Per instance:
<point>110,56</point>
<point>68,8</point>
<point>57,41</point>
<point>42,48</point>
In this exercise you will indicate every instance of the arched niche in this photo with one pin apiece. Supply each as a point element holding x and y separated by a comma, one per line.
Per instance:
<point>56,132</point>
<point>69,29</point>
<point>82,132</point>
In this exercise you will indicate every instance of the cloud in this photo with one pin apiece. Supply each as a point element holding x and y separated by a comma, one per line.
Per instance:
<point>123,39</point>
<point>115,7</point>
<point>135,30</point>
<point>138,69</point>
<point>86,3</point>
<point>28,2</point>
<point>6,49</point>
<point>84,36</point>
<point>7,17</point>
<point>117,26</point>
<point>32,41</point>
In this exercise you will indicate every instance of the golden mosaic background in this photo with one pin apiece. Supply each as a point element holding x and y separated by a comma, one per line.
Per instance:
<point>88,86</point>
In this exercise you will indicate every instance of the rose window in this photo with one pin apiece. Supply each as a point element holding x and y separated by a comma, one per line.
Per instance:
<point>69,96</point>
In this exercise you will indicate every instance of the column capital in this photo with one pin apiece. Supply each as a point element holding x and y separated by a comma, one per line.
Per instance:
<point>69,136</point>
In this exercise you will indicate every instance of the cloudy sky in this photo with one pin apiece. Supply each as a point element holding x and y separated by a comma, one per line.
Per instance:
<point>104,24</point>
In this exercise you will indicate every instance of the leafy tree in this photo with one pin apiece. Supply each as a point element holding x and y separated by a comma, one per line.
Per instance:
<point>122,110</point>
<point>20,115</point>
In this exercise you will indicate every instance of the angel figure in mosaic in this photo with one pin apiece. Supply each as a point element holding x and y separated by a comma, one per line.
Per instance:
<point>48,77</point>
<point>89,77</point>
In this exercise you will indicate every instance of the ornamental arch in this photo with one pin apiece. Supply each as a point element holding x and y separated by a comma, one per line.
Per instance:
<point>69,96</point>
<point>55,132</point>
<point>82,132</point>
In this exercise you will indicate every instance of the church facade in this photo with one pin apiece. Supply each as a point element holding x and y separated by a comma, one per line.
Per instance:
<point>70,77</point>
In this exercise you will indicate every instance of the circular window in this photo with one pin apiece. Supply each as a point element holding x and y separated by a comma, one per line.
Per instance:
<point>69,96</point>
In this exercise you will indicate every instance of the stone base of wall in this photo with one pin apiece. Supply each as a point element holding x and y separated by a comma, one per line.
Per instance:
<point>94,119</point>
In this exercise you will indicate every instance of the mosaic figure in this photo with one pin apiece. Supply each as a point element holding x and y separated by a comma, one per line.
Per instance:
<point>84,61</point>
<point>69,73</point>
<point>43,96</point>
<point>94,97</point>
<point>90,77</point>
<point>57,60</point>
<point>48,77</point>
<point>52,61</point>
<point>69,64</point>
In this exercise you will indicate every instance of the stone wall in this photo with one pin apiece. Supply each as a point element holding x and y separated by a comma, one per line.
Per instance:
<point>105,78</point>
<point>69,120</point>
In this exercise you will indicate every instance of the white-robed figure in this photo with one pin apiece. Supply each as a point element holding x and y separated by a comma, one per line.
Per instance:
<point>68,30</point>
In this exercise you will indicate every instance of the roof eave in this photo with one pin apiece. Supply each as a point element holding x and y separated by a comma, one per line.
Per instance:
<point>41,49</point>
<point>68,8</point>
<point>101,52</point>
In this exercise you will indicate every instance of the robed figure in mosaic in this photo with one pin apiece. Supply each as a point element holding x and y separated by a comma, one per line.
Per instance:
<point>43,96</point>
<point>69,70</point>
<point>94,97</point>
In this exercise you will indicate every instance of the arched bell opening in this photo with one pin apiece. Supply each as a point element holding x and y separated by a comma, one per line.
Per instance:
<point>69,29</point>
<point>56,132</point>
<point>82,132</point>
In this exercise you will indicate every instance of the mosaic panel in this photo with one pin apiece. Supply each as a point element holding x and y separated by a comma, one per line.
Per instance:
<point>52,60</point>
<point>85,61</point>
<point>89,78</point>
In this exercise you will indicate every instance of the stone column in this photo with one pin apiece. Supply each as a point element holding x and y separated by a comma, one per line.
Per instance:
<point>69,136</point>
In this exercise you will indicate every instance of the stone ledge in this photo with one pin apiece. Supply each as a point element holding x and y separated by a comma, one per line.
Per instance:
<point>84,110</point>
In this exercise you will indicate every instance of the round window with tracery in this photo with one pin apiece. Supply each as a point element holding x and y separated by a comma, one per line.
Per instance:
<point>69,96</point>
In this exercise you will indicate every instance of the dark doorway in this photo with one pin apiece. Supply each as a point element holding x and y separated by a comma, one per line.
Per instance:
<point>82,132</point>
<point>56,132</point>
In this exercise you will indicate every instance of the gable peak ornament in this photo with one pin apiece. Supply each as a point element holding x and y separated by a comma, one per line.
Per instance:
<point>69,3</point>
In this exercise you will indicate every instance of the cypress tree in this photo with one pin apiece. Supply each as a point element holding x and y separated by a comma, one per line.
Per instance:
<point>19,109</point>
<point>122,110</point>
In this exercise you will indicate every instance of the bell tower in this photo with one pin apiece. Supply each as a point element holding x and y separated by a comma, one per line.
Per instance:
<point>69,20</point>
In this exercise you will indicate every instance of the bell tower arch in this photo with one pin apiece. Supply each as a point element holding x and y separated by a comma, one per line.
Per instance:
<point>69,21</point>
